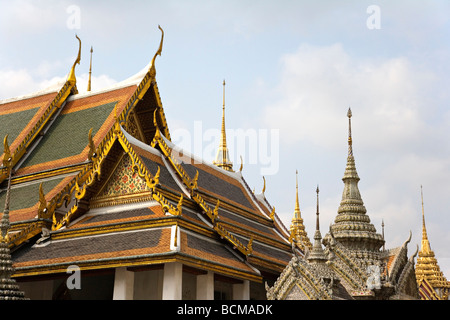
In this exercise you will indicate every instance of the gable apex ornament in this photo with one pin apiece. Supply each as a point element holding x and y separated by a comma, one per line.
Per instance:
<point>158,53</point>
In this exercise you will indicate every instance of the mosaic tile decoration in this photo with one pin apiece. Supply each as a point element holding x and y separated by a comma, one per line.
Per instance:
<point>124,180</point>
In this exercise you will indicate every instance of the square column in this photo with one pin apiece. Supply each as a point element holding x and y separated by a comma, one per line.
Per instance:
<point>205,286</point>
<point>172,281</point>
<point>123,284</point>
<point>241,291</point>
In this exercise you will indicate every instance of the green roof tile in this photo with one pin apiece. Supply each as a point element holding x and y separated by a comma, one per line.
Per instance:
<point>12,124</point>
<point>26,196</point>
<point>68,135</point>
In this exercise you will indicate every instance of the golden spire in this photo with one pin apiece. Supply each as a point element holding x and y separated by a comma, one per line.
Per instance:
<point>297,228</point>
<point>427,267</point>
<point>90,72</point>
<point>426,248</point>
<point>71,77</point>
<point>297,205</point>
<point>222,156</point>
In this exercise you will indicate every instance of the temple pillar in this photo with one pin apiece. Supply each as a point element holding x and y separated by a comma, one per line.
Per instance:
<point>123,284</point>
<point>241,291</point>
<point>172,281</point>
<point>205,286</point>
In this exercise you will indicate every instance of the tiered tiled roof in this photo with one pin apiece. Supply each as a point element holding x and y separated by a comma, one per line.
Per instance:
<point>100,186</point>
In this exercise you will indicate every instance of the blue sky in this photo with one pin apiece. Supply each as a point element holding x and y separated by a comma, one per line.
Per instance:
<point>292,69</point>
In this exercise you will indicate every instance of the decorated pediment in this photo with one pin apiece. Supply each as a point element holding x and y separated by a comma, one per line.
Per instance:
<point>123,185</point>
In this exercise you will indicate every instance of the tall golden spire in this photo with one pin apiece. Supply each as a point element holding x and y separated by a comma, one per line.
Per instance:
<point>90,72</point>
<point>427,267</point>
<point>222,156</point>
<point>297,228</point>
<point>426,248</point>
<point>297,204</point>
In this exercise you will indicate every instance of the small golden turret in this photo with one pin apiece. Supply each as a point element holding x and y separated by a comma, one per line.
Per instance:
<point>297,229</point>
<point>427,268</point>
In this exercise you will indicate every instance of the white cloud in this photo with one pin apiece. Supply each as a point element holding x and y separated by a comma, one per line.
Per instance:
<point>23,82</point>
<point>318,84</point>
<point>14,83</point>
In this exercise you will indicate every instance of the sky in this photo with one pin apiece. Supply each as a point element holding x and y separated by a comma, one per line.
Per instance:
<point>292,69</point>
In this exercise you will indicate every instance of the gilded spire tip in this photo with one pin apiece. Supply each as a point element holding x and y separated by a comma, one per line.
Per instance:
<point>90,72</point>
<point>297,203</point>
<point>222,156</point>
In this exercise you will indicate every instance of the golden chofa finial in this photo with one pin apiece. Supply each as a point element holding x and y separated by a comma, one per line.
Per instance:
<point>264,186</point>
<point>90,72</point>
<point>71,78</point>
<point>7,152</point>
<point>158,53</point>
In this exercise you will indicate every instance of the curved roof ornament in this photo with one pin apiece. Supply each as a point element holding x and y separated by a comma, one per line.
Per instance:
<point>158,53</point>
<point>71,78</point>
<point>408,240</point>
<point>7,152</point>
<point>264,186</point>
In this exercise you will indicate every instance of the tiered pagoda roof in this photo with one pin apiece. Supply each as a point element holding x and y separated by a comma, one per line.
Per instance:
<point>431,281</point>
<point>351,265</point>
<point>352,225</point>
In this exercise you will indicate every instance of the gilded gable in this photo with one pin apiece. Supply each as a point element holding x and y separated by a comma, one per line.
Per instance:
<point>123,185</point>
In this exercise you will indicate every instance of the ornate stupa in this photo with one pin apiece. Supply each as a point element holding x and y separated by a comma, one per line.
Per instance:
<point>348,262</point>
<point>431,281</point>
<point>352,226</point>
<point>297,229</point>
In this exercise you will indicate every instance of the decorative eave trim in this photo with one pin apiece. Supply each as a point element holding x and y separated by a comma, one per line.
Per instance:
<point>140,260</point>
<point>191,185</point>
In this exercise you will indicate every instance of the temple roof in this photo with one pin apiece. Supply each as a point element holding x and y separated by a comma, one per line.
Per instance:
<point>100,184</point>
